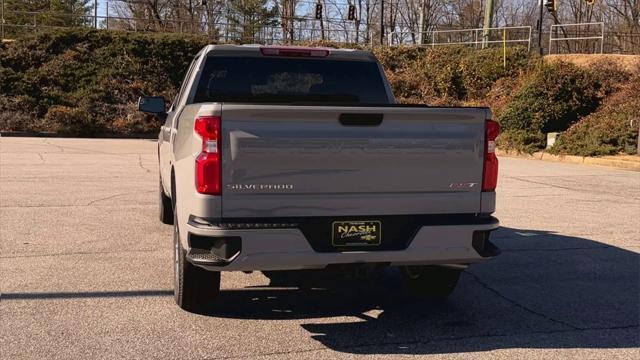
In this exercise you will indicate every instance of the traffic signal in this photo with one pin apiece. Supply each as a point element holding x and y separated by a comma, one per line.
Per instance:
<point>591,2</point>
<point>318,11</point>
<point>550,5</point>
<point>351,14</point>
<point>203,2</point>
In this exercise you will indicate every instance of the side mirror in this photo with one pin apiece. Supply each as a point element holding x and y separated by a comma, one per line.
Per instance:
<point>153,105</point>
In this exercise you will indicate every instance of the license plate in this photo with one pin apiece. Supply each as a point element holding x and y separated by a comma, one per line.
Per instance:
<point>356,233</point>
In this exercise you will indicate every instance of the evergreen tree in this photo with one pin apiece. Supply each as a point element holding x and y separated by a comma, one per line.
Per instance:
<point>253,20</point>
<point>21,15</point>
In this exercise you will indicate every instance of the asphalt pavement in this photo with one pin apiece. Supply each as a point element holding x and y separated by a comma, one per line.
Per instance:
<point>85,272</point>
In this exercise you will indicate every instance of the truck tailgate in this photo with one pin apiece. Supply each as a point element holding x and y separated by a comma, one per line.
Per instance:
<point>283,161</point>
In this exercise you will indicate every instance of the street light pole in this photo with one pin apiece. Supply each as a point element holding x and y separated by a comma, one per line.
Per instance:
<point>381,22</point>
<point>488,23</point>
<point>540,28</point>
<point>2,22</point>
<point>638,143</point>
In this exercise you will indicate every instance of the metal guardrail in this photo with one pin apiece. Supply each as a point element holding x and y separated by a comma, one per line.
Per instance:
<point>561,27</point>
<point>477,37</point>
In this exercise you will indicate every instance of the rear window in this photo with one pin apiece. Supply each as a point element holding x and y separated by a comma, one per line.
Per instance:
<point>290,80</point>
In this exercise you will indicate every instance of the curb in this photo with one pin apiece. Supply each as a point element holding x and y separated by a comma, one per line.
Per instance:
<point>56,135</point>
<point>610,161</point>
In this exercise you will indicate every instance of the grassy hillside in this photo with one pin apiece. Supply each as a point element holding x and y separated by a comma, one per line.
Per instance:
<point>86,83</point>
<point>613,128</point>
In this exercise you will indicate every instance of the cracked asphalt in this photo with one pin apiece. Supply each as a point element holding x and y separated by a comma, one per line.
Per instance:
<point>86,273</point>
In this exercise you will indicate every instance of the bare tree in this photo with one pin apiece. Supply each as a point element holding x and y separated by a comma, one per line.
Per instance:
<point>287,10</point>
<point>405,21</point>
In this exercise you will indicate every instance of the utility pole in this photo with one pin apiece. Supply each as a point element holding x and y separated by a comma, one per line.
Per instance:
<point>638,143</point>
<point>2,21</point>
<point>381,22</point>
<point>488,22</point>
<point>292,16</point>
<point>320,16</point>
<point>540,49</point>
<point>421,23</point>
<point>95,13</point>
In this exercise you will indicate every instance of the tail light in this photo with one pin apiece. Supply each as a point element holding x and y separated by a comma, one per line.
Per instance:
<point>208,162</point>
<point>490,172</point>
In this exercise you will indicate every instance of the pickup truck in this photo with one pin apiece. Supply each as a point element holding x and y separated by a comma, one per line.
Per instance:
<point>292,158</point>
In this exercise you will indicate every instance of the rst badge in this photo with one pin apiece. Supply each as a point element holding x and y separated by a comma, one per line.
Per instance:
<point>462,185</point>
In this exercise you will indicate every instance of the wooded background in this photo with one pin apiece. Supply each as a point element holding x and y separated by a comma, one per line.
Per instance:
<point>267,21</point>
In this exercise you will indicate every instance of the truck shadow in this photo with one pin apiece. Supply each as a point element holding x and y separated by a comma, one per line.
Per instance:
<point>545,291</point>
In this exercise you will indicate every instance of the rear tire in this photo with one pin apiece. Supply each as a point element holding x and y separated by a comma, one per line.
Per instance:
<point>165,207</point>
<point>195,289</point>
<point>430,281</point>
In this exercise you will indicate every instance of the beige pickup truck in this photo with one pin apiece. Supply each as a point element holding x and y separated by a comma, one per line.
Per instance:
<point>288,158</point>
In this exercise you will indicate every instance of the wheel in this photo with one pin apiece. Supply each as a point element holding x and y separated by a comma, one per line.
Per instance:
<point>429,281</point>
<point>195,289</point>
<point>165,206</point>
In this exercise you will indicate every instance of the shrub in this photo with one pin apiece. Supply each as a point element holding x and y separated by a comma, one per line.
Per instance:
<point>610,74</point>
<point>86,83</point>
<point>419,75</point>
<point>501,93</point>
<point>610,130</point>
<point>72,121</point>
<point>394,59</point>
<point>440,71</point>
<point>134,123</point>
<point>87,78</point>
<point>448,75</point>
<point>479,70</point>
<point>16,121</point>
<point>521,141</point>
<point>552,98</point>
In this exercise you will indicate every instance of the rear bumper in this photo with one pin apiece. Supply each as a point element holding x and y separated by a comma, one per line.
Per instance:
<point>288,249</point>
